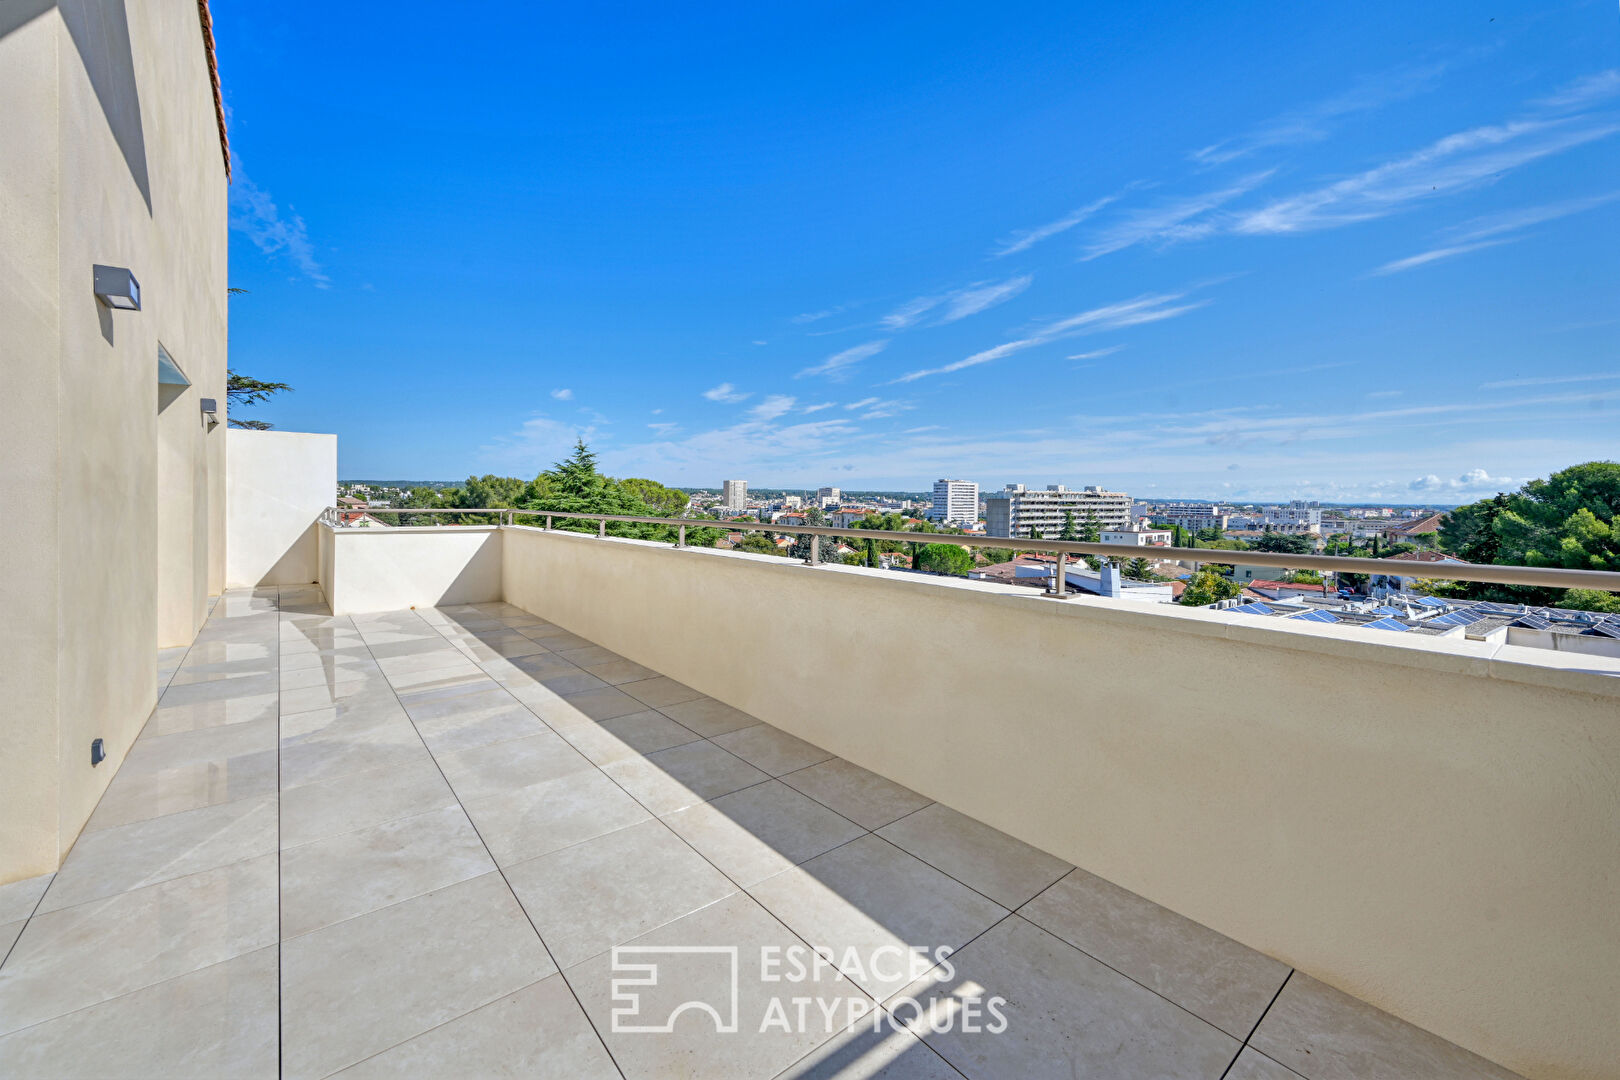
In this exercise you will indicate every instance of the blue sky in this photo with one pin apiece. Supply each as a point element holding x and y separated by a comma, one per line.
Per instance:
<point>1192,250</point>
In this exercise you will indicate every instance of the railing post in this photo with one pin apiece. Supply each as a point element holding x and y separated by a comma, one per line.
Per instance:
<point>548,523</point>
<point>680,536</point>
<point>601,529</point>
<point>815,550</point>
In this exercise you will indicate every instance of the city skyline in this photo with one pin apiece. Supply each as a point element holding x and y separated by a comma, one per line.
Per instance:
<point>1369,266</point>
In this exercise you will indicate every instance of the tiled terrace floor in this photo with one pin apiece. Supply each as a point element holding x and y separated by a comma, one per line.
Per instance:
<point>405,844</point>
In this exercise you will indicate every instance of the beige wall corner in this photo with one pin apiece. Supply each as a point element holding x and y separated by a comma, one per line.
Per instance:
<point>277,483</point>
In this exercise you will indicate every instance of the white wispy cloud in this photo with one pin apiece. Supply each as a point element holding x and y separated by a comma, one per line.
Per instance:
<point>1476,234</point>
<point>1097,353</point>
<point>1435,255</point>
<point>535,445</point>
<point>1188,218</point>
<point>771,407</point>
<point>1584,91</point>
<point>817,316</point>
<point>726,393</point>
<point>1312,122</point>
<point>836,364</point>
<point>1549,380</point>
<point>1454,163</point>
<point>563,395</point>
<point>819,406</point>
<point>877,409</point>
<point>255,214</point>
<point>1472,480</point>
<point>1143,309</point>
<point>665,427</point>
<point>956,304</point>
<point>861,404</point>
<point>977,298</point>
<point>1025,239</point>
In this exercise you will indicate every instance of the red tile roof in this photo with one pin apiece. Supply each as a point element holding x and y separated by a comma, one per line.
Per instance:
<point>207,21</point>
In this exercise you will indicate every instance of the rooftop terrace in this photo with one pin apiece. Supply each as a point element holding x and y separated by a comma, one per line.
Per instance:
<point>407,844</point>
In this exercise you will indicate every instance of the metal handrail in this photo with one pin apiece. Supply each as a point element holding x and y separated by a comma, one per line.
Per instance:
<point>1548,577</point>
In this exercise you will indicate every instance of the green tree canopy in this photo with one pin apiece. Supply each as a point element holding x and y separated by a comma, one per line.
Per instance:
<point>1207,587</point>
<point>244,391</point>
<point>945,559</point>
<point>667,501</point>
<point>1286,543</point>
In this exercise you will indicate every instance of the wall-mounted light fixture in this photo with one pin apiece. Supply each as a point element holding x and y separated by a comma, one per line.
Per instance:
<point>117,288</point>
<point>210,409</point>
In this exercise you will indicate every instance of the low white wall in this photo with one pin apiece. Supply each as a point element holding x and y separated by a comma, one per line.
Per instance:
<point>276,485</point>
<point>394,569</point>
<point>1444,842</point>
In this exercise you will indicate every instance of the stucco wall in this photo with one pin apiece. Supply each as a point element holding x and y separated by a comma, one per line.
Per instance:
<point>1444,844</point>
<point>394,569</point>
<point>121,488</point>
<point>276,484</point>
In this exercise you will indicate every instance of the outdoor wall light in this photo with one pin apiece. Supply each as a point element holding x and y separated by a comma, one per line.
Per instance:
<point>210,409</point>
<point>117,288</point>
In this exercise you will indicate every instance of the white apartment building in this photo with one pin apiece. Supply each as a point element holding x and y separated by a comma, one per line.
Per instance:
<point>735,495</point>
<point>956,502</point>
<point>1194,516</point>
<point>828,496</point>
<point>1295,514</point>
<point>1143,537</point>
<point>1016,510</point>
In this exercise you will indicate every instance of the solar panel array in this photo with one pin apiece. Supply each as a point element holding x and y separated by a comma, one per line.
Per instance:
<point>1535,622</point>
<point>1386,624</point>
<point>1317,616</point>
<point>1253,609</point>
<point>1459,618</point>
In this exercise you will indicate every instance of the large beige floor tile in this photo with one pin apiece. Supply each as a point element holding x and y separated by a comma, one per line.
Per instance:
<point>386,740</point>
<point>667,780</point>
<point>660,691</point>
<point>707,716</point>
<point>1253,1065</point>
<point>587,898</point>
<point>882,914</point>
<point>544,817</point>
<point>74,958</point>
<point>862,796</point>
<point>1324,1034</point>
<point>648,732</point>
<point>200,747</point>
<point>360,800</point>
<point>538,1033</point>
<point>1006,870</point>
<point>511,764</point>
<point>19,898</point>
<point>170,719</point>
<point>1204,972</point>
<point>771,749</point>
<point>364,985</point>
<point>110,861</point>
<point>220,690</point>
<point>9,932</point>
<point>465,729</point>
<point>216,1023</point>
<point>868,1051</point>
<point>693,1048</point>
<point>330,880</point>
<point>136,795</point>
<point>1067,1015</point>
<point>761,830</point>
<point>605,703</point>
<point>618,672</point>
